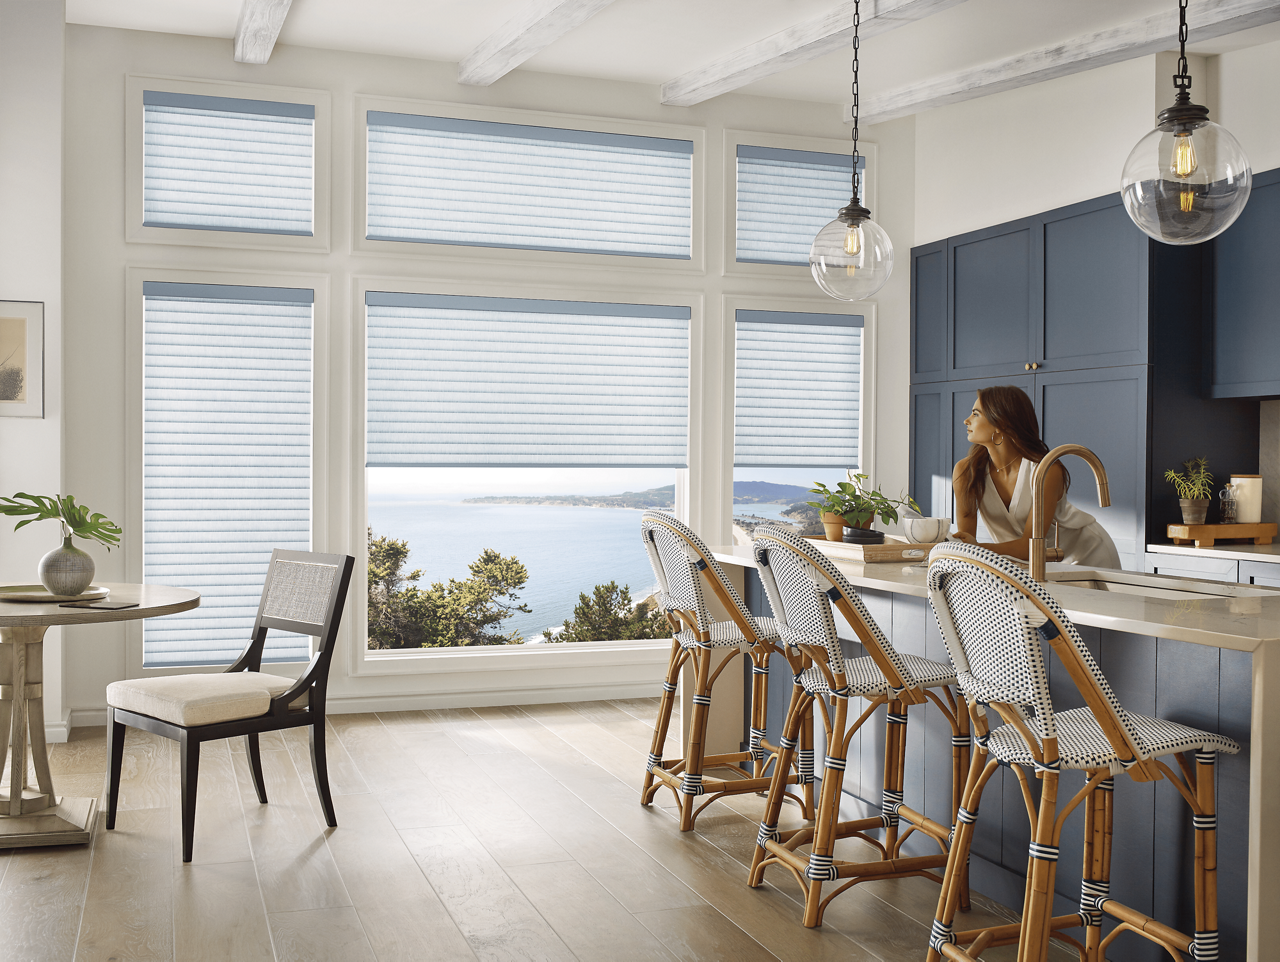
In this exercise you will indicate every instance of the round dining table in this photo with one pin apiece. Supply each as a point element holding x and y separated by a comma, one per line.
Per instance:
<point>37,815</point>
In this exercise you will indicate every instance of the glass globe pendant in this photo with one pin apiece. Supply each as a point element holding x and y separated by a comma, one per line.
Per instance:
<point>852,257</point>
<point>1187,180</point>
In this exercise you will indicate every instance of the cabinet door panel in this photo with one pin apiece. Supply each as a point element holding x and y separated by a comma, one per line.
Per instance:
<point>929,312</point>
<point>1095,287</point>
<point>930,474</point>
<point>1106,411</point>
<point>991,302</point>
<point>1246,337</point>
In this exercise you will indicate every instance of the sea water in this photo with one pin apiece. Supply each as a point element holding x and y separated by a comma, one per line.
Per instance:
<point>567,550</point>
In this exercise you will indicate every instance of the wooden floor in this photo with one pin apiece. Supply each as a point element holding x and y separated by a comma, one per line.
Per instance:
<point>490,834</point>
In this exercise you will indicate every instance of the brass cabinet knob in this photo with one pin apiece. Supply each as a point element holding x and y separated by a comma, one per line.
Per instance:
<point>1027,366</point>
<point>1033,366</point>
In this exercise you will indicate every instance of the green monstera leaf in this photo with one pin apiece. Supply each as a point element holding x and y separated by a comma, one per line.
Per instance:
<point>76,519</point>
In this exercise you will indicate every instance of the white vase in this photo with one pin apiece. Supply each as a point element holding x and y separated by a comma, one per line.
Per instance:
<point>66,570</point>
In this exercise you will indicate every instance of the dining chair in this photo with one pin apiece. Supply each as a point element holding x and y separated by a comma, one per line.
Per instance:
<point>686,570</point>
<point>304,592</point>
<point>804,586</point>
<point>996,622</point>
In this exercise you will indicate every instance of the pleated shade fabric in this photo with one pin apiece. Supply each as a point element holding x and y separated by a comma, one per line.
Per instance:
<point>445,181</point>
<point>785,197</point>
<point>796,390</point>
<point>217,163</point>
<point>227,459</point>
<point>483,381</point>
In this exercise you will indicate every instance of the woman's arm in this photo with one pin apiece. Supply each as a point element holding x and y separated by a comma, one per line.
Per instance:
<point>1021,547</point>
<point>966,509</point>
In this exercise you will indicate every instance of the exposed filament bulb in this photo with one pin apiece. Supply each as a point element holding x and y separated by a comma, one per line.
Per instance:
<point>1184,156</point>
<point>853,240</point>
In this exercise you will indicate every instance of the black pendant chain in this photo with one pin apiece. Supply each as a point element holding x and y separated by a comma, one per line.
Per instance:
<point>857,20</point>
<point>1182,79</point>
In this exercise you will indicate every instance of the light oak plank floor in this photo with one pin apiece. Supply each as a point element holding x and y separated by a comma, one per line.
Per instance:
<point>493,834</point>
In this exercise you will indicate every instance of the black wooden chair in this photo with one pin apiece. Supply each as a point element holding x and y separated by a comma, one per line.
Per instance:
<point>304,592</point>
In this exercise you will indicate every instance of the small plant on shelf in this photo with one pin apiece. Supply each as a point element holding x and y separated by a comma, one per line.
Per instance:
<point>857,506</point>
<point>1193,484</point>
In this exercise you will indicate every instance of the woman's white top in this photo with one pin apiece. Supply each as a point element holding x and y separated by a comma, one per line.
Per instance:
<point>1083,540</point>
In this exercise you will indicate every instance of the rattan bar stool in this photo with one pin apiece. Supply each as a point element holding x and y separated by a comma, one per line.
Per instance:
<point>802,585</point>
<point>683,566</point>
<point>994,620</point>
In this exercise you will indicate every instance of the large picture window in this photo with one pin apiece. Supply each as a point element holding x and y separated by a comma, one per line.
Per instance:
<point>227,459</point>
<point>441,180</point>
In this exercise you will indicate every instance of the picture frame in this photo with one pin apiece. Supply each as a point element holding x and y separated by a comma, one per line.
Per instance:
<point>22,359</point>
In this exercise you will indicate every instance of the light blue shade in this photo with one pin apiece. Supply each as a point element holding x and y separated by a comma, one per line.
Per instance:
<point>498,382</point>
<point>785,197</point>
<point>227,465</point>
<point>473,183</point>
<point>215,163</point>
<point>796,390</point>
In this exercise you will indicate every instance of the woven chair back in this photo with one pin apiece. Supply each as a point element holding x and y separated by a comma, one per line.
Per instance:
<point>682,564</point>
<point>800,582</point>
<point>995,621</point>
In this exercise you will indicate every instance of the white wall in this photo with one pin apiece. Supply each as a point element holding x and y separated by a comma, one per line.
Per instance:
<point>31,52</point>
<point>1248,81</point>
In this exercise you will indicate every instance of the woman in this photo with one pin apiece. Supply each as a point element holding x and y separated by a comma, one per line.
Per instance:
<point>995,479</point>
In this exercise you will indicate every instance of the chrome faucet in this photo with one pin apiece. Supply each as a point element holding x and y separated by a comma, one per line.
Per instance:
<point>1037,550</point>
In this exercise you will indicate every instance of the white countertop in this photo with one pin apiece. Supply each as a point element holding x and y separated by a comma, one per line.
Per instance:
<point>1242,622</point>
<point>1231,552</point>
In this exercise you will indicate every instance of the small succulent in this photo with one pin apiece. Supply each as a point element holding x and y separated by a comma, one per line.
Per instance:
<point>75,518</point>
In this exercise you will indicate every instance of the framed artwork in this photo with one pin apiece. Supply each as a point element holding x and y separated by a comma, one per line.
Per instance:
<point>21,359</point>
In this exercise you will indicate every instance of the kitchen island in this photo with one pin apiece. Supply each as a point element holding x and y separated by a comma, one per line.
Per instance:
<point>1202,653</point>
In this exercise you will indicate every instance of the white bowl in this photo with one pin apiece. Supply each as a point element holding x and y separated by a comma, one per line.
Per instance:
<point>925,530</point>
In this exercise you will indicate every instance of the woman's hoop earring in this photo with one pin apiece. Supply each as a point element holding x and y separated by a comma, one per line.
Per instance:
<point>1000,442</point>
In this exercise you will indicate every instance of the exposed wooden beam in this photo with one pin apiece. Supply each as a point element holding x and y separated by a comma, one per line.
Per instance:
<point>539,25</point>
<point>794,46</point>
<point>1206,20</point>
<point>260,23</point>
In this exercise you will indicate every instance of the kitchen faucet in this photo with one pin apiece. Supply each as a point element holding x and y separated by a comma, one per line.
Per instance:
<point>1036,554</point>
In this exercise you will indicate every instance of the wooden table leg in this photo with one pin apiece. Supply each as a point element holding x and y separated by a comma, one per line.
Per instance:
<point>32,816</point>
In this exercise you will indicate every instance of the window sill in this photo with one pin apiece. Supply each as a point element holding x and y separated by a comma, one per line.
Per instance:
<point>515,657</point>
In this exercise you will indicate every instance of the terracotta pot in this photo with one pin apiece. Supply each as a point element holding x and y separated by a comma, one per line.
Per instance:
<point>1193,509</point>
<point>834,525</point>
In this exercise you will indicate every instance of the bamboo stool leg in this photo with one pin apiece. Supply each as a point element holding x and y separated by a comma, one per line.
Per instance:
<point>822,853</point>
<point>1033,940</point>
<point>691,782</point>
<point>674,665</point>
<point>961,752</point>
<point>759,709</point>
<point>1206,827</point>
<point>895,763</point>
<point>801,704</point>
<point>806,745</point>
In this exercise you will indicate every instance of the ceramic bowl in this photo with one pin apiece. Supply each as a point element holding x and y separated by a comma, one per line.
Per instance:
<point>925,530</point>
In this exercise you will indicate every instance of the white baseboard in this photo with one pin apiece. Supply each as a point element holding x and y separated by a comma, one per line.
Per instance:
<point>58,732</point>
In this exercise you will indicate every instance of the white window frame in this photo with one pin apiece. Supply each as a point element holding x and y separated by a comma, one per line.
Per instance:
<point>136,232</point>
<point>534,118</point>
<point>322,488</point>
<point>732,139</point>
<point>457,662</point>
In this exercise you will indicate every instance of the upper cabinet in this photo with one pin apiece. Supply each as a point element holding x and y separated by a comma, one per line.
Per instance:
<point>1061,291</point>
<point>1246,298</point>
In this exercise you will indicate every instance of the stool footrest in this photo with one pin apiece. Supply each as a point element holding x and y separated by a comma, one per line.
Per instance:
<point>923,823</point>
<point>879,867</point>
<point>1146,925</point>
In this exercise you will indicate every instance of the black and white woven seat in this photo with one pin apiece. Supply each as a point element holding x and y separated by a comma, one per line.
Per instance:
<point>803,585</point>
<point>996,622</point>
<point>686,571</point>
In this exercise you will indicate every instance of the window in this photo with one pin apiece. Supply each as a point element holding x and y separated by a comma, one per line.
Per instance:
<point>224,164</point>
<point>535,428</point>
<point>227,459</point>
<point>785,197</point>
<point>440,180</point>
<point>797,411</point>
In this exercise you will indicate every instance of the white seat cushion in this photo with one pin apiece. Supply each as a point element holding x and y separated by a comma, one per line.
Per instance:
<point>191,700</point>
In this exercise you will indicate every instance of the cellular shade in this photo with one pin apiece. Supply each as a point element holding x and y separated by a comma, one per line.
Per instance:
<point>796,391</point>
<point>785,197</point>
<point>445,181</point>
<point>486,381</point>
<point>217,163</point>
<point>227,460</point>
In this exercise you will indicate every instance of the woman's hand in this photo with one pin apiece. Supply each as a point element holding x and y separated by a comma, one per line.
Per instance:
<point>962,536</point>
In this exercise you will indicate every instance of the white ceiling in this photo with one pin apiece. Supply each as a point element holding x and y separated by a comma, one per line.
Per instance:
<point>654,41</point>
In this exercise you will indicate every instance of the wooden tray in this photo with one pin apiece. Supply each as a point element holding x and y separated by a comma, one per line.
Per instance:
<point>39,593</point>
<point>1205,534</point>
<point>890,551</point>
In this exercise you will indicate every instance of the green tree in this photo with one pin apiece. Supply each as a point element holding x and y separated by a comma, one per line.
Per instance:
<point>447,614</point>
<point>609,615</point>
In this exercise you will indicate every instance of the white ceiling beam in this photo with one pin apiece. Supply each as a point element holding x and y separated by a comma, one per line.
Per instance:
<point>794,46</point>
<point>258,28</point>
<point>537,27</point>
<point>1206,20</point>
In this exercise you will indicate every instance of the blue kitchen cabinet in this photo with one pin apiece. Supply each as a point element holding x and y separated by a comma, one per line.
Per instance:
<point>930,469</point>
<point>1246,298</point>
<point>992,308</point>
<point>929,312</point>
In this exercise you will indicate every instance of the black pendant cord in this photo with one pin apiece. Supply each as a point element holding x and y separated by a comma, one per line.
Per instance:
<point>1183,115</point>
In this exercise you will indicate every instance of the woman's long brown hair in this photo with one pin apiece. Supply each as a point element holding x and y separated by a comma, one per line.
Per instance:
<point>1012,414</point>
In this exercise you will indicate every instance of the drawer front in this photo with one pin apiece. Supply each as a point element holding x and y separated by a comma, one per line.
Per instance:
<point>1191,566</point>
<point>1262,573</point>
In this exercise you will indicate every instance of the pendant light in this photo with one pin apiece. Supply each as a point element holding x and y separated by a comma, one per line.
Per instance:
<point>1188,180</point>
<point>852,257</point>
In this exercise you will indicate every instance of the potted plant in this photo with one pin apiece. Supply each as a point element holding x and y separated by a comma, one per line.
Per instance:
<point>1195,488</point>
<point>64,571</point>
<point>852,505</point>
